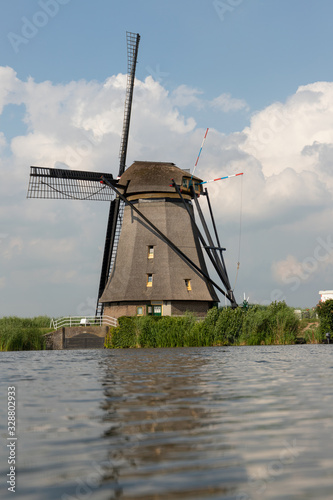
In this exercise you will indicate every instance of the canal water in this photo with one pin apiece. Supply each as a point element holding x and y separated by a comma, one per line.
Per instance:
<point>234,423</point>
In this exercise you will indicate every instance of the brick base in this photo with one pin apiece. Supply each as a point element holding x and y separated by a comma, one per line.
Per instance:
<point>174,308</point>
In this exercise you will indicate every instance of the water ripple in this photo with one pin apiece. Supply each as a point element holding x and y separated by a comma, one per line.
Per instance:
<point>234,423</point>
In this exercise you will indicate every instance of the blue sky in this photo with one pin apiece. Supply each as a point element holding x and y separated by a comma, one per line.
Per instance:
<point>258,73</point>
<point>259,50</point>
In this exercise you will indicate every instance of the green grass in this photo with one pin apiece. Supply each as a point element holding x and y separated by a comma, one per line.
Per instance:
<point>23,334</point>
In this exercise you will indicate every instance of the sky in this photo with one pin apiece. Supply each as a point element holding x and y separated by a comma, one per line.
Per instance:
<point>257,73</point>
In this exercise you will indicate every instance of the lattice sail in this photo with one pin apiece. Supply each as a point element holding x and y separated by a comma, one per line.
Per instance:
<point>133,40</point>
<point>56,183</point>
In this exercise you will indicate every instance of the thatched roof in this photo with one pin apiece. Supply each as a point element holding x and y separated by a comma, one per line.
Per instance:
<point>153,177</point>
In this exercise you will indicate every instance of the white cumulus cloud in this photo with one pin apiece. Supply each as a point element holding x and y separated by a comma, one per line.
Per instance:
<point>285,154</point>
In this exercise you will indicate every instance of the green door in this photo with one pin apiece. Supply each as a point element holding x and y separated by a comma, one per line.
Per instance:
<point>157,310</point>
<point>154,310</point>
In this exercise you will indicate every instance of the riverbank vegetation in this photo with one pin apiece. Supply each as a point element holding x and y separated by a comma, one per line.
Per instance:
<point>325,315</point>
<point>23,334</point>
<point>255,325</point>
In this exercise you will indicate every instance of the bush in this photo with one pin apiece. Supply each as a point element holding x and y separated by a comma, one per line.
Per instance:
<point>325,314</point>
<point>147,335</point>
<point>275,324</point>
<point>172,332</point>
<point>154,331</point>
<point>124,335</point>
<point>228,326</point>
<point>255,326</point>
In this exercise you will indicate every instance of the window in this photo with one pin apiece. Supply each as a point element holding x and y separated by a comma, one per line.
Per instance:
<point>151,252</point>
<point>188,285</point>
<point>155,309</point>
<point>185,185</point>
<point>139,311</point>
<point>149,280</point>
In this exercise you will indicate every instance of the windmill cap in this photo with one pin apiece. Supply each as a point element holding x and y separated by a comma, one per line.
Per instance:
<point>153,177</point>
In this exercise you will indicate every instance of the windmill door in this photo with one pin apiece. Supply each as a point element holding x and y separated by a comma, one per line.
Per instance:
<point>154,310</point>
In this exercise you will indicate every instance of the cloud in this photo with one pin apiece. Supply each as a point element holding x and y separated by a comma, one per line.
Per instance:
<point>11,88</point>
<point>288,148</point>
<point>286,269</point>
<point>285,152</point>
<point>226,103</point>
<point>13,248</point>
<point>187,96</point>
<point>280,135</point>
<point>3,142</point>
<point>294,271</point>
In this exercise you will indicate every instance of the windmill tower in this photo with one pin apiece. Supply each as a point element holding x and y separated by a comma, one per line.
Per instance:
<point>153,261</point>
<point>149,276</point>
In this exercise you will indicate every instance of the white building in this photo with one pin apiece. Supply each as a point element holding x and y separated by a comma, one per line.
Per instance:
<point>326,295</point>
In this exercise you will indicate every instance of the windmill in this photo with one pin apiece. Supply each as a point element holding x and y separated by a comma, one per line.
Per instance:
<point>150,214</point>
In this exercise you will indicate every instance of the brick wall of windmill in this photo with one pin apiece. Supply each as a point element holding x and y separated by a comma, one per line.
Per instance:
<point>172,308</point>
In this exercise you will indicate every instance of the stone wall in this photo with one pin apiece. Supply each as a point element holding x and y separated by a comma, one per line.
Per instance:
<point>117,309</point>
<point>179,308</point>
<point>55,340</point>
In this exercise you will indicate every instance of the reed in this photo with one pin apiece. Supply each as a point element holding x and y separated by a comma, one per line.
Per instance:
<point>23,334</point>
<point>275,324</point>
<point>313,335</point>
<point>325,314</point>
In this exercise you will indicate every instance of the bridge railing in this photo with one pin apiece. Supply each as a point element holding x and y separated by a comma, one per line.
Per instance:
<point>83,321</point>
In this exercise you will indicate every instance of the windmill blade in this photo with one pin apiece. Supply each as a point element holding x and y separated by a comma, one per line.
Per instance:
<point>57,183</point>
<point>133,40</point>
<point>117,209</point>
